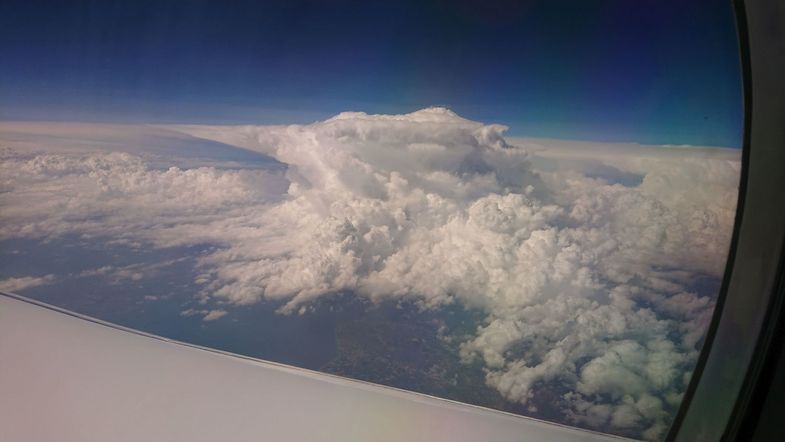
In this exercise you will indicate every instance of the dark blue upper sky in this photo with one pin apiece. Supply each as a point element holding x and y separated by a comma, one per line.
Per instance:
<point>651,71</point>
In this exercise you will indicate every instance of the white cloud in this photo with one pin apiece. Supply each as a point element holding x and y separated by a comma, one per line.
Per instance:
<point>207,315</point>
<point>212,315</point>
<point>192,312</point>
<point>132,272</point>
<point>25,282</point>
<point>585,283</point>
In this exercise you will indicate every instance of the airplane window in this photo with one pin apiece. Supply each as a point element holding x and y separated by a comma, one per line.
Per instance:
<point>525,206</point>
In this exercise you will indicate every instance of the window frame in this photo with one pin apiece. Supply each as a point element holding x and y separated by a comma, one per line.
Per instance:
<point>723,399</point>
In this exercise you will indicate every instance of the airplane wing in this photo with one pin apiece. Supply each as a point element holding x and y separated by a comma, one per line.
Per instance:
<point>67,377</point>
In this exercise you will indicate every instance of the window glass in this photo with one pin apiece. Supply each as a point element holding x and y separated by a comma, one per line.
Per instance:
<point>525,206</point>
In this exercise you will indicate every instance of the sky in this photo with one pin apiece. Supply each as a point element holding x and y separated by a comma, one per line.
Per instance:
<point>653,72</point>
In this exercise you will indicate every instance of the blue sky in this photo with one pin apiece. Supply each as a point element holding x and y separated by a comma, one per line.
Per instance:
<point>643,71</point>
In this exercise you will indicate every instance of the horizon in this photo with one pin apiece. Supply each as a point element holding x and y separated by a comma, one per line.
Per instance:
<point>512,138</point>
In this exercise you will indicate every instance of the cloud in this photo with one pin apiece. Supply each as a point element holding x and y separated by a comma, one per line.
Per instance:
<point>207,315</point>
<point>133,272</point>
<point>119,195</point>
<point>212,315</point>
<point>586,282</point>
<point>25,282</point>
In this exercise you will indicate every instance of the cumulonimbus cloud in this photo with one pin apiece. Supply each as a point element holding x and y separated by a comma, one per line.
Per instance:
<point>586,284</point>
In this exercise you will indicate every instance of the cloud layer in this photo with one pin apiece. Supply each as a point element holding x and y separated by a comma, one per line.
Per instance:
<point>587,284</point>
